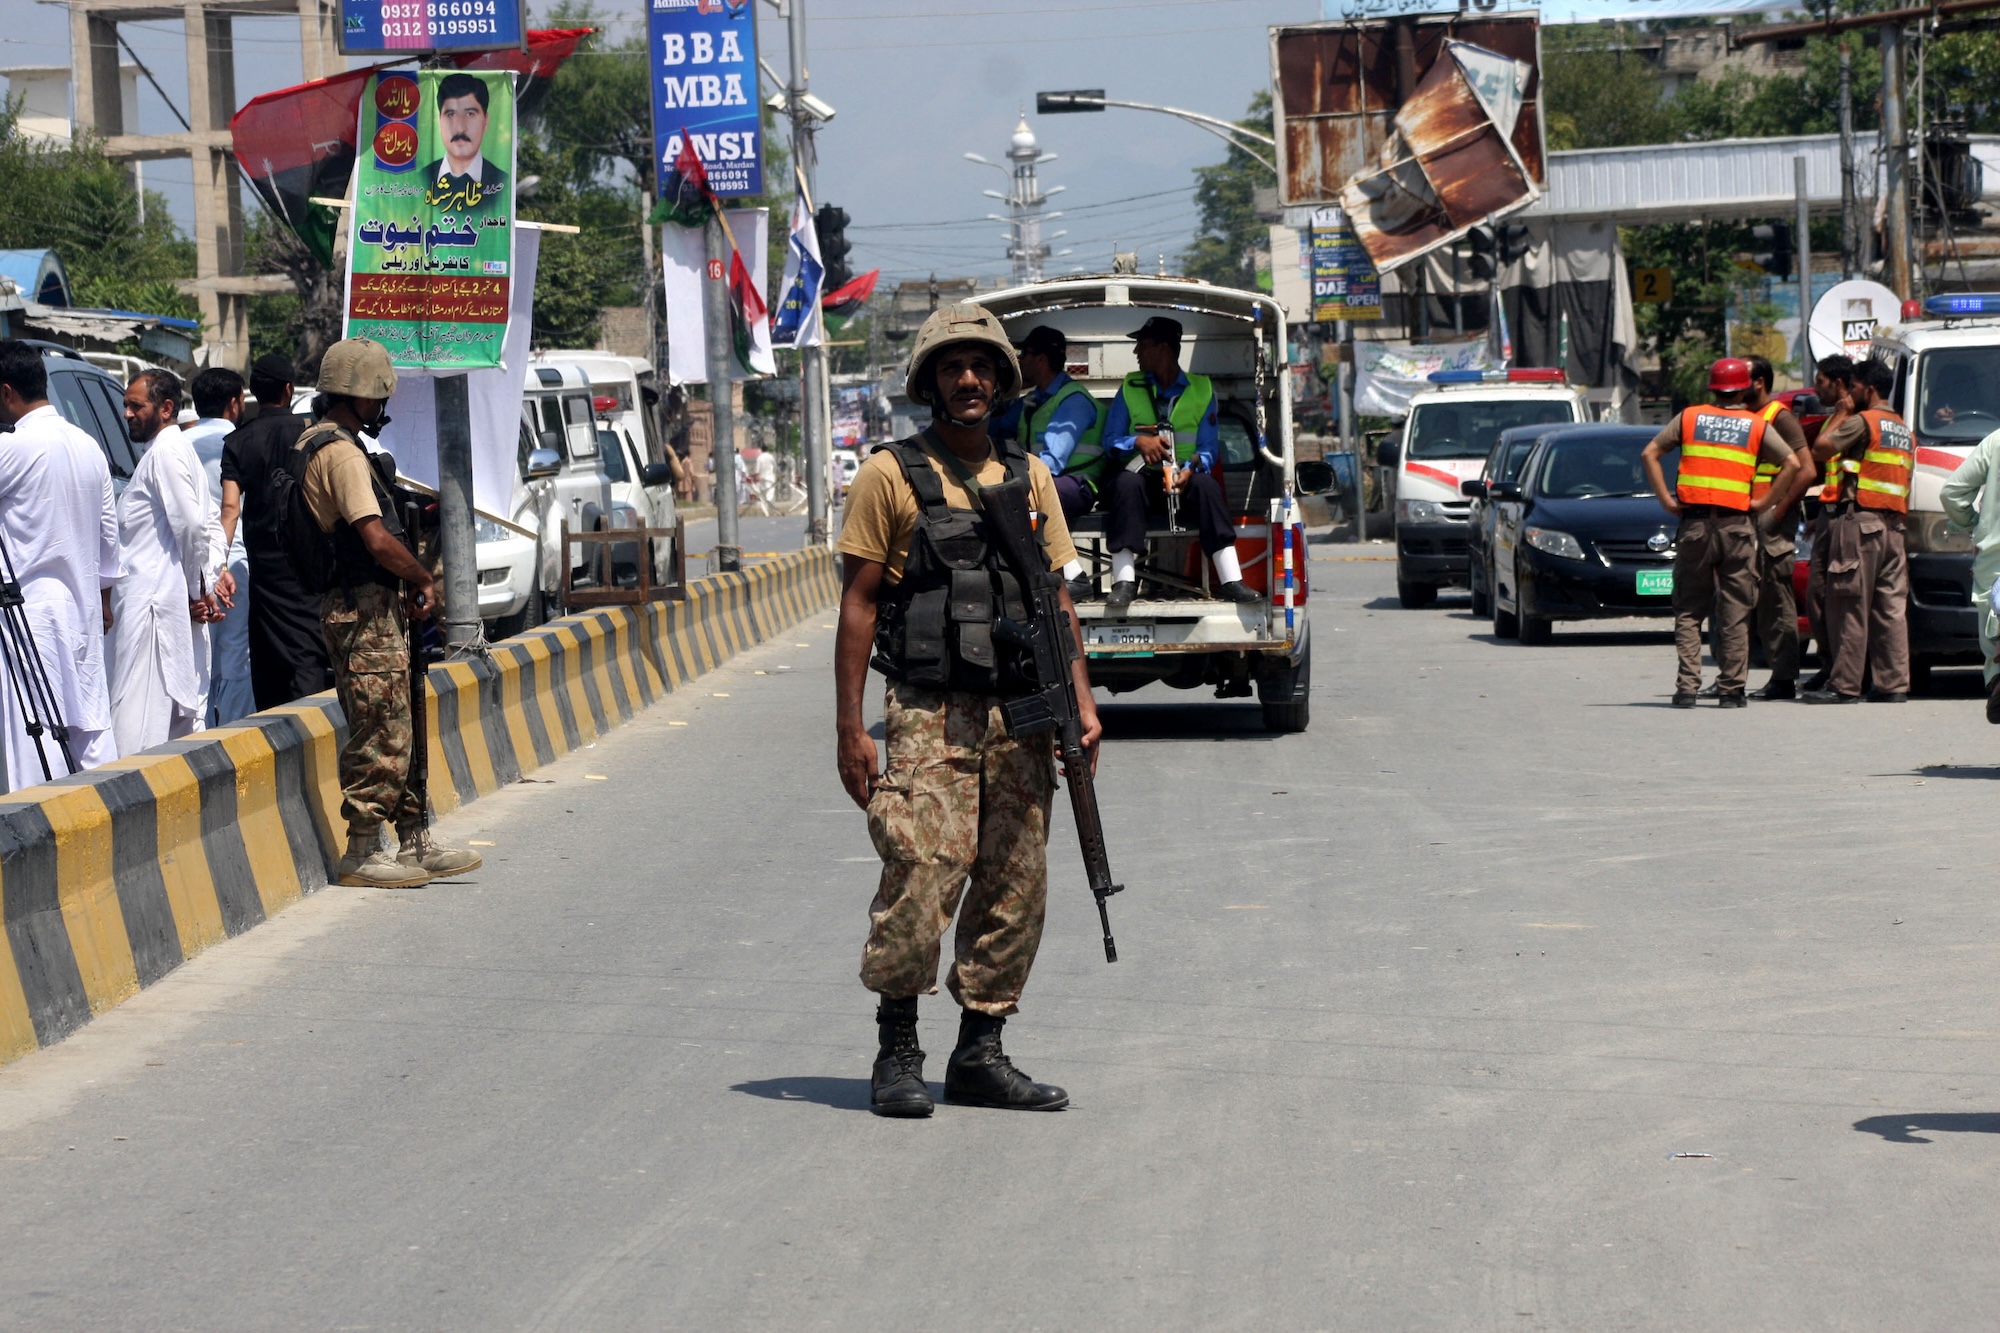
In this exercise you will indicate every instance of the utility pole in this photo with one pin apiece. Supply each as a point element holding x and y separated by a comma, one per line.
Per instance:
<point>1803,249</point>
<point>457,541</point>
<point>812,360</point>
<point>715,329</point>
<point>1849,221</point>
<point>1895,143</point>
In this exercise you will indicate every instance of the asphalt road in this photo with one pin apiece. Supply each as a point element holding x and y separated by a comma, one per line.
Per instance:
<point>1507,997</point>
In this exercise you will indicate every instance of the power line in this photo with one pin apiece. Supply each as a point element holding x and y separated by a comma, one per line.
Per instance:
<point>1025,41</point>
<point>969,222</point>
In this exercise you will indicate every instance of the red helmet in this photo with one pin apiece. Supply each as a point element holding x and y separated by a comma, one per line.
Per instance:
<point>1730,374</point>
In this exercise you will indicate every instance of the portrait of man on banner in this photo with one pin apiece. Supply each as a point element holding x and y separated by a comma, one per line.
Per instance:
<point>463,180</point>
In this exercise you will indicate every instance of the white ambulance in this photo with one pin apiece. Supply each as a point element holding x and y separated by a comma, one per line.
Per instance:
<point>1451,428</point>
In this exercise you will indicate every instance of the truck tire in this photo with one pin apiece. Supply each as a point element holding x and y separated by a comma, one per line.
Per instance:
<point>1293,685</point>
<point>1416,596</point>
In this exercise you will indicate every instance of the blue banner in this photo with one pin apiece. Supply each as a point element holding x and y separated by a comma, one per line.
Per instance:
<point>394,27</point>
<point>704,72</point>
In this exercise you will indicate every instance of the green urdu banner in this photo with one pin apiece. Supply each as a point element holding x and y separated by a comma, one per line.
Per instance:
<point>431,252</point>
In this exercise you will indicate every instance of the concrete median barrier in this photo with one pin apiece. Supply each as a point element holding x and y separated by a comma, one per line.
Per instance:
<point>112,878</point>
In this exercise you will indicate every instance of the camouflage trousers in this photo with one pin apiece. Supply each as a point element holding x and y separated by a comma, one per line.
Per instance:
<point>963,809</point>
<point>370,648</point>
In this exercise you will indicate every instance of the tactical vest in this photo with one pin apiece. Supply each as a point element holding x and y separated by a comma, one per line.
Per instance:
<point>1719,447</point>
<point>1086,460</point>
<point>1760,485</point>
<point>1184,418</point>
<point>1880,478</point>
<point>355,564</point>
<point>935,626</point>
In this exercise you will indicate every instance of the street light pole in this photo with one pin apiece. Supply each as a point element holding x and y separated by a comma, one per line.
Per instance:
<point>812,360</point>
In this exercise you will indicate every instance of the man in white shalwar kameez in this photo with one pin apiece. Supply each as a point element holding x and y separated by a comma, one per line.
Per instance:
<point>218,405</point>
<point>174,583</point>
<point>57,519</point>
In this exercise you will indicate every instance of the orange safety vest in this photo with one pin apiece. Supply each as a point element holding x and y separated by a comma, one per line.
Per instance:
<point>1760,484</point>
<point>1883,472</point>
<point>1719,447</point>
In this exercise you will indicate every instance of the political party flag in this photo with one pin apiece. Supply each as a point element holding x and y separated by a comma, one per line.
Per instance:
<point>684,270</point>
<point>797,322</point>
<point>746,312</point>
<point>845,302</point>
<point>684,194</point>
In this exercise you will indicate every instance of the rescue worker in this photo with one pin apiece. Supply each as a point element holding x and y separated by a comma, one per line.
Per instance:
<point>962,808</point>
<point>1164,415</point>
<point>1777,611</point>
<point>1715,556</point>
<point>379,587</point>
<point>1970,498</point>
<point>1867,492</point>
<point>1833,381</point>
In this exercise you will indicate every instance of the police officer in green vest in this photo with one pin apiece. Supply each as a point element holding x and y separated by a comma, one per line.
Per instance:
<point>1059,421</point>
<point>1164,415</point>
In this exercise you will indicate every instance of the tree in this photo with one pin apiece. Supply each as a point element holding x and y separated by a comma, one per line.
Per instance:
<point>1231,232</point>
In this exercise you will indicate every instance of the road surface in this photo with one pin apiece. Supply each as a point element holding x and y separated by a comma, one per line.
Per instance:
<point>1507,997</point>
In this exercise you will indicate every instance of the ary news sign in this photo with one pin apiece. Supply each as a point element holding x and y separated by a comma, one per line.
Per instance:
<point>431,253</point>
<point>1345,284</point>
<point>704,72</point>
<point>388,27</point>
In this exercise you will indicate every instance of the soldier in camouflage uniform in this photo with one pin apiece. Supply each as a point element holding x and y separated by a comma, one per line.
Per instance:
<point>365,616</point>
<point>960,816</point>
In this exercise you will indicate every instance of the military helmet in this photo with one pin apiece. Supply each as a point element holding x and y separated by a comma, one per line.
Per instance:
<point>964,323</point>
<point>357,368</point>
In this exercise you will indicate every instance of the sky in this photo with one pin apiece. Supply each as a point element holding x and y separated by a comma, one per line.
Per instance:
<point>916,86</point>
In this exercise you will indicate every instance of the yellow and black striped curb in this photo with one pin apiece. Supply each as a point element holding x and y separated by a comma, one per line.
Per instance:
<point>112,878</point>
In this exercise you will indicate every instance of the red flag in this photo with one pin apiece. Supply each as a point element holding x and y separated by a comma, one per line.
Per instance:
<point>684,195</point>
<point>845,302</point>
<point>746,310</point>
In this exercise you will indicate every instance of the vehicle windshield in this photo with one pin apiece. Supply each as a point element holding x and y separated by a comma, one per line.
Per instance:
<point>1587,469</point>
<point>1468,429</point>
<point>1958,394</point>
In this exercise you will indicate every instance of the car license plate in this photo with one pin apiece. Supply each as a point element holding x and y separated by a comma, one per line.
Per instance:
<point>1119,634</point>
<point>1656,582</point>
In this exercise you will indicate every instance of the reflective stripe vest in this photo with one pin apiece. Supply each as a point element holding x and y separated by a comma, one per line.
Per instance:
<point>1760,484</point>
<point>1881,476</point>
<point>1185,417</point>
<point>1086,460</point>
<point>1719,456</point>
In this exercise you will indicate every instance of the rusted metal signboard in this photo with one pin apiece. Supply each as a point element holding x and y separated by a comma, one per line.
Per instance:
<point>1337,87</point>
<point>1450,165</point>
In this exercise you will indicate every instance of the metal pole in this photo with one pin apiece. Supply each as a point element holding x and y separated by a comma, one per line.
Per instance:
<point>1350,442</point>
<point>1850,222</point>
<point>456,540</point>
<point>812,360</point>
<point>1895,142</point>
<point>715,321</point>
<point>1804,250</point>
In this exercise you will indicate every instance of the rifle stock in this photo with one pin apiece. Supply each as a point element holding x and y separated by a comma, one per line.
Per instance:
<point>1052,707</point>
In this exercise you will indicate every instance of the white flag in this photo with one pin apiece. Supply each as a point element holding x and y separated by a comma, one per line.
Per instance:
<point>796,321</point>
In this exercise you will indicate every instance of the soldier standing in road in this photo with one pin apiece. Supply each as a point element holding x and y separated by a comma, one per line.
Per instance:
<point>963,808</point>
<point>1872,458</point>
<point>1715,551</point>
<point>1777,612</point>
<point>379,586</point>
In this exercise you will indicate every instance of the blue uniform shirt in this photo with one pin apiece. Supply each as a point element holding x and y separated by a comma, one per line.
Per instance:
<point>1120,439</point>
<point>1066,426</point>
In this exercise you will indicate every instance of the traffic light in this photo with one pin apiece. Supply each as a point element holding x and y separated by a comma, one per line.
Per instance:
<point>1483,260</point>
<point>1513,242</point>
<point>830,224</point>
<point>1774,249</point>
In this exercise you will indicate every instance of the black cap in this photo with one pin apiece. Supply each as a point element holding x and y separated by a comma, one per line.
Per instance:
<point>1158,329</point>
<point>274,366</point>
<point>1049,342</point>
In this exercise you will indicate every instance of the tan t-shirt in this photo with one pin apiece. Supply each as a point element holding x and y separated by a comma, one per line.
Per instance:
<point>880,516</point>
<point>340,485</point>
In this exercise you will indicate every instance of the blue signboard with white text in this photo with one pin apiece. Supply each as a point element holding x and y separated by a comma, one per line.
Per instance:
<point>395,27</point>
<point>704,71</point>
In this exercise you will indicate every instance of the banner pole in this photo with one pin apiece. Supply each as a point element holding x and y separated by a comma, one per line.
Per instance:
<point>458,543</point>
<point>715,339</point>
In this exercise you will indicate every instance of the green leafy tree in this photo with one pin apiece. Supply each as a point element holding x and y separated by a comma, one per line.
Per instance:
<point>1231,232</point>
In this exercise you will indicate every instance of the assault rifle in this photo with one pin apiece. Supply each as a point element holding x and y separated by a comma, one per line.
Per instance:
<point>1049,641</point>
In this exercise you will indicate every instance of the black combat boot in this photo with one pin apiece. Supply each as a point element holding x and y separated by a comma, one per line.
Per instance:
<point>980,1074</point>
<point>898,1086</point>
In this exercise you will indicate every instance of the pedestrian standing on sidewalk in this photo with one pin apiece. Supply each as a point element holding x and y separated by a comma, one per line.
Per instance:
<point>378,588</point>
<point>1715,550</point>
<point>1872,461</point>
<point>963,808</point>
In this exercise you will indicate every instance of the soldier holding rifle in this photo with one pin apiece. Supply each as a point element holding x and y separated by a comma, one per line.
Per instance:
<point>932,599</point>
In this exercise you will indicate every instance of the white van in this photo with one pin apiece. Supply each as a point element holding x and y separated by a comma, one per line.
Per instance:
<point>1948,389</point>
<point>1451,428</point>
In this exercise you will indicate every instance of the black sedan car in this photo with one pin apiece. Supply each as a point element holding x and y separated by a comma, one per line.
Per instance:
<point>1503,463</point>
<point>1579,536</point>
